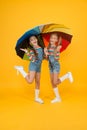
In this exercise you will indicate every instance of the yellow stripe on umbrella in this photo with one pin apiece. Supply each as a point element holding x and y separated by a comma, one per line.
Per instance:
<point>56,28</point>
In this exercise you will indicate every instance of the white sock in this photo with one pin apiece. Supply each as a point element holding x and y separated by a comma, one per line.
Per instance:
<point>37,91</point>
<point>21,70</point>
<point>56,92</point>
<point>67,76</point>
<point>37,99</point>
<point>63,77</point>
<point>57,98</point>
<point>24,74</point>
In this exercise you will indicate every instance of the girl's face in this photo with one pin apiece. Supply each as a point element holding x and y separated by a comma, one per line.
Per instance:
<point>53,39</point>
<point>33,41</point>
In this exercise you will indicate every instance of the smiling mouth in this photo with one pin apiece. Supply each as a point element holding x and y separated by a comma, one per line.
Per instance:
<point>52,42</point>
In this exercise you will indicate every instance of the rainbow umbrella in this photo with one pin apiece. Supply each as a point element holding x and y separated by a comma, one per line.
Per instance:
<point>43,33</point>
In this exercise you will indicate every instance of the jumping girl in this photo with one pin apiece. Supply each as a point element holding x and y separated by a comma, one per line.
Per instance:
<point>36,56</point>
<point>52,52</point>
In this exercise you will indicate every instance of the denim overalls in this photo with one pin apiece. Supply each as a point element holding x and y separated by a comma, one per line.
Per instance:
<point>54,65</point>
<point>36,66</point>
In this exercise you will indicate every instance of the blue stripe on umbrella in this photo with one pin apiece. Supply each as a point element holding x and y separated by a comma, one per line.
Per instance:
<point>34,31</point>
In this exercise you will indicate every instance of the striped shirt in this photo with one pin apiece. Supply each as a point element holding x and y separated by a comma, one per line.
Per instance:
<point>52,51</point>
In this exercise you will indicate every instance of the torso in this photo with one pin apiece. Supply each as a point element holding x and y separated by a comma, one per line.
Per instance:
<point>39,53</point>
<point>52,52</point>
<point>39,56</point>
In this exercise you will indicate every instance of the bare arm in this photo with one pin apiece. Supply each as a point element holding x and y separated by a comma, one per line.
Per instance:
<point>46,51</point>
<point>60,41</point>
<point>59,44</point>
<point>59,47</point>
<point>29,54</point>
<point>25,50</point>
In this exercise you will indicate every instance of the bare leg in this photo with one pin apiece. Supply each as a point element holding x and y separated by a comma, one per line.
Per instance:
<point>61,79</point>
<point>37,81</point>
<point>56,80</point>
<point>52,78</point>
<point>37,88</point>
<point>55,89</point>
<point>30,76</point>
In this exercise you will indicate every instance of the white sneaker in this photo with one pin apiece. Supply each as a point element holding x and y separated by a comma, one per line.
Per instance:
<point>18,68</point>
<point>56,100</point>
<point>70,77</point>
<point>39,100</point>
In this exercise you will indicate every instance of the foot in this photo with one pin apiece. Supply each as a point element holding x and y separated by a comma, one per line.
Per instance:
<point>39,100</point>
<point>18,68</point>
<point>56,100</point>
<point>70,77</point>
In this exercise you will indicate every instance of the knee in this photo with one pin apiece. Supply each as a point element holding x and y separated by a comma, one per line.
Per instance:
<point>59,81</point>
<point>29,81</point>
<point>56,82</point>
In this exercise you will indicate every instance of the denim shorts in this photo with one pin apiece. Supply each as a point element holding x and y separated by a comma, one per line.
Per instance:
<point>33,66</point>
<point>54,65</point>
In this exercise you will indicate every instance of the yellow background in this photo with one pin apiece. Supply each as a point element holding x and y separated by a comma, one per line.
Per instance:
<point>18,111</point>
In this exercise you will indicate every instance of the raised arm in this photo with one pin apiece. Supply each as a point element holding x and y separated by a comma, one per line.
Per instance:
<point>46,51</point>
<point>25,50</point>
<point>59,44</point>
<point>60,41</point>
<point>29,54</point>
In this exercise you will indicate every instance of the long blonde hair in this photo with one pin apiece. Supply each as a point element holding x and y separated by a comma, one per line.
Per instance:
<point>59,41</point>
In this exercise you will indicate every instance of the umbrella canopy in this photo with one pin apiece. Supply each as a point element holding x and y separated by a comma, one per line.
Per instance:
<point>43,33</point>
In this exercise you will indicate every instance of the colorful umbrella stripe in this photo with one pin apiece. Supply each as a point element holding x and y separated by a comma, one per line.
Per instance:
<point>43,33</point>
